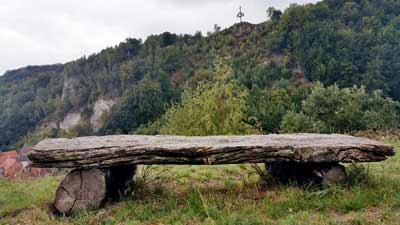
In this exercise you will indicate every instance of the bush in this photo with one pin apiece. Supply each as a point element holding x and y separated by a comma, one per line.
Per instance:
<point>331,109</point>
<point>293,122</point>
<point>212,108</point>
<point>152,128</point>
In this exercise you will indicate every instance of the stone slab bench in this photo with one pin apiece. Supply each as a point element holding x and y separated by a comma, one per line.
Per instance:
<point>104,166</point>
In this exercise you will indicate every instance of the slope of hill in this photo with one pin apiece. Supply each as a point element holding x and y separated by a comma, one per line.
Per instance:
<point>126,86</point>
<point>27,96</point>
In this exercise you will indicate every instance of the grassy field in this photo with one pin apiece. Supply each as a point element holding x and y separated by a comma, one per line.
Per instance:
<point>221,195</point>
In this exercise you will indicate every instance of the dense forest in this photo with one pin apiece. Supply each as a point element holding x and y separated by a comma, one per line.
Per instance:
<point>326,67</point>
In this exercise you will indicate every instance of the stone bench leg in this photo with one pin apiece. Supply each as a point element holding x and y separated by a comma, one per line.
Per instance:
<point>303,173</point>
<point>88,188</point>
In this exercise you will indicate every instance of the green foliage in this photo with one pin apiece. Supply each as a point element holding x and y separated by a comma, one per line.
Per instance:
<point>335,109</point>
<point>344,42</point>
<point>141,104</point>
<point>293,122</point>
<point>274,14</point>
<point>212,108</point>
<point>26,97</point>
<point>330,109</point>
<point>151,128</point>
<point>381,113</point>
<point>35,136</point>
<point>81,130</point>
<point>271,104</point>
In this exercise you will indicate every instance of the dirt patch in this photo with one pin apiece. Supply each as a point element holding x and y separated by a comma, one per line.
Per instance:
<point>14,213</point>
<point>375,214</point>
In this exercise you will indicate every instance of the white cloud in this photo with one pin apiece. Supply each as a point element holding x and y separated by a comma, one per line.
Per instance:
<point>48,31</point>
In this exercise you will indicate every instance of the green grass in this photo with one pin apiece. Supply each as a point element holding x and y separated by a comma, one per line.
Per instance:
<point>228,194</point>
<point>24,194</point>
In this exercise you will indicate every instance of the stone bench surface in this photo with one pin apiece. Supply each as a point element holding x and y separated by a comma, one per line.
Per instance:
<point>109,151</point>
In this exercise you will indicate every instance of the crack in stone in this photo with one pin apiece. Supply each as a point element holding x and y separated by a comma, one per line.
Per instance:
<point>72,207</point>
<point>66,190</point>
<point>80,174</point>
<point>69,193</point>
<point>79,193</point>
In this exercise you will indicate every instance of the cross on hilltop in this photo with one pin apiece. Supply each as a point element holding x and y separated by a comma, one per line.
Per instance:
<point>240,14</point>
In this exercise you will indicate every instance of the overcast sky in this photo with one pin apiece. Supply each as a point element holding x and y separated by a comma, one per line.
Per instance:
<point>35,32</point>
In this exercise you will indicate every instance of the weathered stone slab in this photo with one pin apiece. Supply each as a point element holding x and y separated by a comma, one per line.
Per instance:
<point>109,151</point>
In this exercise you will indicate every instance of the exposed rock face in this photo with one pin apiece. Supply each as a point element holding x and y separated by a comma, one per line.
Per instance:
<point>69,88</point>
<point>71,120</point>
<point>100,107</point>
<point>109,151</point>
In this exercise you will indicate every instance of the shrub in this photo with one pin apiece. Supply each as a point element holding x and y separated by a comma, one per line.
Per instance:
<point>293,122</point>
<point>331,109</point>
<point>212,108</point>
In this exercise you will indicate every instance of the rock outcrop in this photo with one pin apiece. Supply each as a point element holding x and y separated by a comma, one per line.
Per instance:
<point>70,120</point>
<point>100,107</point>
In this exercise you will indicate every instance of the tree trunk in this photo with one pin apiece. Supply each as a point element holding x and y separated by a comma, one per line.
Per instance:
<point>324,174</point>
<point>119,181</point>
<point>88,188</point>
